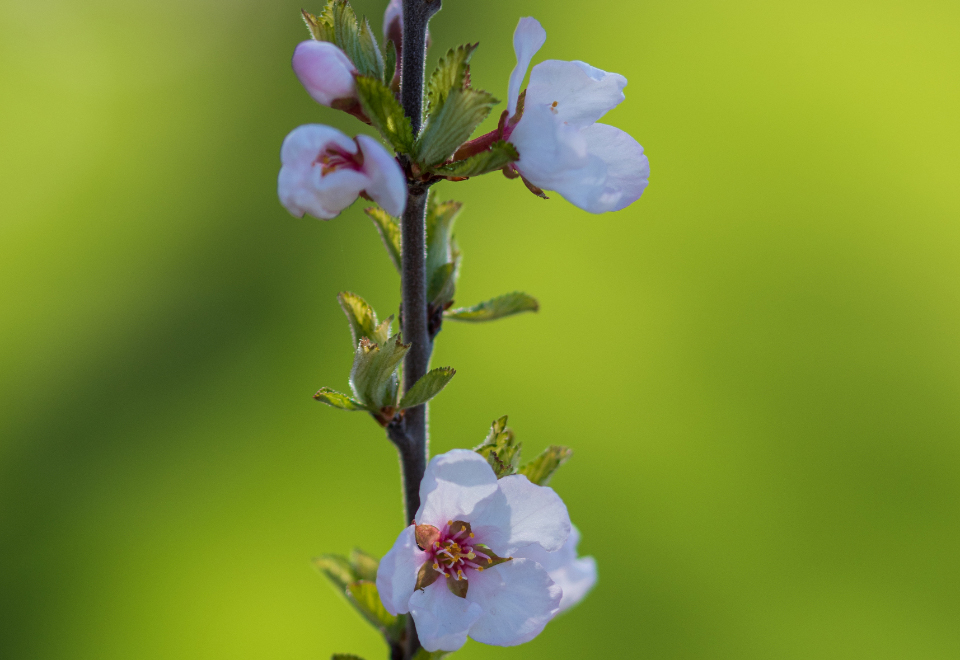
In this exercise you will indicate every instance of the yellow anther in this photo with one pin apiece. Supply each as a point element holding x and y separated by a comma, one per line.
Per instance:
<point>449,522</point>
<point>489,560</point>
<point>471,556</point>
<point>471,534</point>
<point>480,568</point>
<point>436,567</point>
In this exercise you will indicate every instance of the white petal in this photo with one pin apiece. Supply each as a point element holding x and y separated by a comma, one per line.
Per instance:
<point>325,71</point>
<point>615,177</point>
<point>388,186</point>
<point>576,577</point>
<point>582,93</point>
<point>453,485</point>
<point>522,513</point>
<point>548,147</point>
<point>528,38</point>
<point>397,573</point>
<point>301,186</point>
<point>442,619</point>
<point>518,599</point>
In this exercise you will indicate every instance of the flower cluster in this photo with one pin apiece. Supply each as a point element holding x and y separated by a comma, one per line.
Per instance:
<point>491,559</point>
<point>549,135</point>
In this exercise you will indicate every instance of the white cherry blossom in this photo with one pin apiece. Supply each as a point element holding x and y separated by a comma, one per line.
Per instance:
<point>575,576</point>
<point>323,171</point>
<point>453,571</point>
<point>594,166</point>
<point>325,71</point>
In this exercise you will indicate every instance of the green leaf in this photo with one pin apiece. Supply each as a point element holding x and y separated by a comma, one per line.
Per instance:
<point>452,73</point>
<point>373,377</point>
<point>370,52</point>
<point>441,248</point>
<point>321,27</point>
<point>541,469</point>
<point>389,62</point>
<point>443,284</point>
<point>364,565</point>
<point>337,400</point>
<point>427,387</point>
<point>496,157</point>
<point>500,449</point>
<point>451,124</point>
<point>337,569</point>
<point>362,318</point>
<point>389,230</point>
<point>345,31</point>
<point>443,256</point>
<point>384,111</point>
<point>496,308</point>
<point>363,596</point>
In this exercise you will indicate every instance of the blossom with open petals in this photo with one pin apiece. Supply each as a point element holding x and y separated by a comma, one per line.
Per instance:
<point>574,575</point>
<point>323,171</point>
<point>594,166</point>
<point>458,570</point>
<point>325,71</point>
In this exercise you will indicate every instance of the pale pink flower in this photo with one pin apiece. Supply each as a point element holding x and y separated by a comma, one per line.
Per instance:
<point>464,582</point>
<point>325,71</point>
<point>323,171</point>
<point>574,575</point>
<point>594,166</point>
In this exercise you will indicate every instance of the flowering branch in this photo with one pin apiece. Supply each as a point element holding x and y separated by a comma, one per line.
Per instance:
<point>488,551</point>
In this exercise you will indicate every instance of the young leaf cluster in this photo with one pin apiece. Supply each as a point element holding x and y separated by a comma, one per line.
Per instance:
<point>375,375</point>
<point>338,24</point>
<point>502,452</point>
<point>454,109</point>
<point>355,577</point>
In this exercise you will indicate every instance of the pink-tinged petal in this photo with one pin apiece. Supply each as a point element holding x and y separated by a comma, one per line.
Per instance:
<point>325,71</point>
<point>393,12</point>
<point>617,174</point>
<point>548,147</point>
<point>442,618</point>
<point>453,485</point>
<point>397,573</point>
<point>575,576</point>
<point>301,185</point>
<point>388,186</point>
<point>578,93</point>
<point>528,38</point>
<point>520,514</point>
<point>518,599</point>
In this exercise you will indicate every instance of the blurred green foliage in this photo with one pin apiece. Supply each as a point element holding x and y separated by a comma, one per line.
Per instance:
<point>757,365</point>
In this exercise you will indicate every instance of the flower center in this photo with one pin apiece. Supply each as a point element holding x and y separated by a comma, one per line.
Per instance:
<point>335,158</point>
<point>454,551</point>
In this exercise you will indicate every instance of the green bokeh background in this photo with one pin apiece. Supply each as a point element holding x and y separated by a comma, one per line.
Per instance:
<point>757,364</point>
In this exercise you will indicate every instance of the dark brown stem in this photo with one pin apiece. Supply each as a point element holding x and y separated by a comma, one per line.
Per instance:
<point>409,432</point>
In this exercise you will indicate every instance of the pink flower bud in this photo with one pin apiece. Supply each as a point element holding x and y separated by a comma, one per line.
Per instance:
<point>325,71</point>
